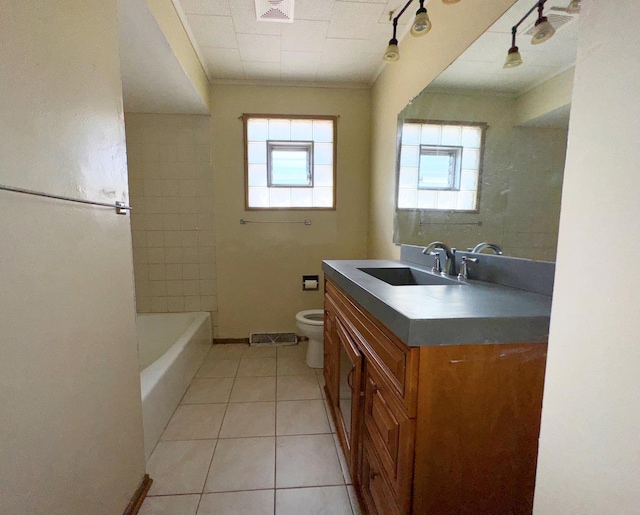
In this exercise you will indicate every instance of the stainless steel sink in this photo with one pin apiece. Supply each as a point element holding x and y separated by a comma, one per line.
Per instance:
<point>405,276</point>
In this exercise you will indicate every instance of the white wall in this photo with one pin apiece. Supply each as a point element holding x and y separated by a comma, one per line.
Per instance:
<point>70,424</point>
<point>589,458</point>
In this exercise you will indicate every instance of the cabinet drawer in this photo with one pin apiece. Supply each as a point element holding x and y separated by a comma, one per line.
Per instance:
<point>376,490</point>
<point>391,432</point>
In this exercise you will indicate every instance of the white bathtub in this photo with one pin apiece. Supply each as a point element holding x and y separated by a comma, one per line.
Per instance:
<point>171,348</point>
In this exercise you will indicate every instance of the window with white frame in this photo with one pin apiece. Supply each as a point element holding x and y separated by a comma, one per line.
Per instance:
<point>290,161</point>
<point>440,165</point>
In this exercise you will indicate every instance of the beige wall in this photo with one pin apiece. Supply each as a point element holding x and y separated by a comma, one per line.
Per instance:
<point>455,27</point>
<point>71,424</point>
<point>173,228</point>
<point>589,456</point>
<point>544,98</point>
<point>171,25</point>
<point>521,180</point>
<point>260,266</point>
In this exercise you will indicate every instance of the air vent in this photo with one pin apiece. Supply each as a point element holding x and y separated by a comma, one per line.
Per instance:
<point>557,20</point>
<point>275,10</point>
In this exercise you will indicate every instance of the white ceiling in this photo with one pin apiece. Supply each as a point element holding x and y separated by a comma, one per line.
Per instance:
<point>330,41</point>
<point>153,80</point>
<point>480,67</point>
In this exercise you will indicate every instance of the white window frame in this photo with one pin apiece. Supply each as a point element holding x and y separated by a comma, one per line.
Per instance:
<point>455,154</point>
<point>413,202</point>
<point>305,146</point>
<point>260,193</point>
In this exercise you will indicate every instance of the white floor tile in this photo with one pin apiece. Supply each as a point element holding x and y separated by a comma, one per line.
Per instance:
<point>342,459</point>
<point>257,502</point>
<point>253,389</point>
<point>170,505</point>
<point>227,350</point>
<point>294,388</point>
<point>301,418</point>
<point>208,391</point>
<point>195,422</point>
<point>328,500</point>
<point>219,367</point>
<point>242,464</point>
<point>180,467</point>
<point>259,352</point>
<point>293,351</point>
<point>249,419</point>
<point>293,367</point>
<point>264,367</point>
<point>307,461</point>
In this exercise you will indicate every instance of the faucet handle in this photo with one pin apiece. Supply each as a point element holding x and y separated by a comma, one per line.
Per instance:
<point>464,268</point>
<point>437,267</point>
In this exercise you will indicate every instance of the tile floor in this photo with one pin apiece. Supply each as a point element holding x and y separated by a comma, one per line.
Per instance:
<point>251,436</point>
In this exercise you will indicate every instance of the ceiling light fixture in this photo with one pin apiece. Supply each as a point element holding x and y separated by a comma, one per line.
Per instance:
<point>543,31</point>
<point>513,56</point>
<point>421,23</point>
<point>574,7</point>
<point>450,2</point>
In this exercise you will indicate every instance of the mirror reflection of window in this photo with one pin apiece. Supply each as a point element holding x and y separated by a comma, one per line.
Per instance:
<point>440,165</point>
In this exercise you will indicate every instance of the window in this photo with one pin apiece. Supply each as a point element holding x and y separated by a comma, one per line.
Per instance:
<point>440,165</point>
<point>290,161</point>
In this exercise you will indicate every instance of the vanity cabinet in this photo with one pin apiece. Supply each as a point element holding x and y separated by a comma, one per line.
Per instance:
<point>436,429</point>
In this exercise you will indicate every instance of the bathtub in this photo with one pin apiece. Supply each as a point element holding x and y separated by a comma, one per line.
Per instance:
<point>171,347</point>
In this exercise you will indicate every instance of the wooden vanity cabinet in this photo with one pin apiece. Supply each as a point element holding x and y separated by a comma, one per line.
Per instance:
<point>434,430</point>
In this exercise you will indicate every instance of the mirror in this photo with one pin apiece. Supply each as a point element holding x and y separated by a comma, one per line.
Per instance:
<point>509,128</point>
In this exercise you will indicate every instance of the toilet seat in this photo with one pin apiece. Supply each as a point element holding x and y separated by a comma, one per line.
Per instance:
<point>311,317</point>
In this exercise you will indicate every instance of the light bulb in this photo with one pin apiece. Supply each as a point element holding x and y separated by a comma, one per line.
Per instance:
<point>574,7</point>
<point>513,58</point>
<point>421,23</point>
<point>392,53</point>
<point>544,31</point>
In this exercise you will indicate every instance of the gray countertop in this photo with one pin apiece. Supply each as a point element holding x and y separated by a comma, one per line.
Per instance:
<point>475,312</point>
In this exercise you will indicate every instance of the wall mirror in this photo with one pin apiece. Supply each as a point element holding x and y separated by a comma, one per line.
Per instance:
<point>481,149</point>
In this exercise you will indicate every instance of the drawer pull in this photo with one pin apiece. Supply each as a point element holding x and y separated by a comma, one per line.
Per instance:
<point>350,377</point>
<point>374,387</point>
<point>373,475</point>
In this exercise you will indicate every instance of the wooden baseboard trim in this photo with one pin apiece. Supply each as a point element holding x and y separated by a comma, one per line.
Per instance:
<point>217,341</point>
<point>139,496</point>
<point>223,341</point>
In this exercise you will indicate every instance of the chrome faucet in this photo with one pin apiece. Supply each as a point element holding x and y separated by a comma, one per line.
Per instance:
<point>450,263</point>
<point>487,245</point>
<point>464,267</point>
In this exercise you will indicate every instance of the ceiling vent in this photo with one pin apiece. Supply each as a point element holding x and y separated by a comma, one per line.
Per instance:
<point>275,10</point>
<point>557,20</point>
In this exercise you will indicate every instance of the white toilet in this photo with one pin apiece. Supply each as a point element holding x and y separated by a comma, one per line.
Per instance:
<point>311,324</point>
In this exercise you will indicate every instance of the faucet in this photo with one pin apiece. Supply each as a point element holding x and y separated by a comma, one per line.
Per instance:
<point>464,268</point>
<point>450,263</point>
<point>487,245</point>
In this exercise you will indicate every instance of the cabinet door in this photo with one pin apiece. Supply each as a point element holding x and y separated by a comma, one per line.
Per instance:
<point>375,488</point>
<point>349,395</point>
<point>391,432</point>
<point>331,352</point>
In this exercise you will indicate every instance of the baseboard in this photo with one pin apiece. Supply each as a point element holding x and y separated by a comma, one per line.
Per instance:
<point>223,341</point>
<point>139,496</point>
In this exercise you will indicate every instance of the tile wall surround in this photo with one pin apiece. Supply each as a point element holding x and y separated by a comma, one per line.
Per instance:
<point>172,221</point>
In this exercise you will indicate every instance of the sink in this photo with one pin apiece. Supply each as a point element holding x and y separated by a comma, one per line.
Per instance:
<point>405,276</point>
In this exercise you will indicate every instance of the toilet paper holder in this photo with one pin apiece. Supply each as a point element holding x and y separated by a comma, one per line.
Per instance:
<point>310,283</point>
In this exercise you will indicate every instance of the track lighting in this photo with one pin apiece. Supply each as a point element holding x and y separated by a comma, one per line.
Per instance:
<point>513,55</point>
<point>392,53</point>
<point>421,23</point>
<point>543,31</point>
<point>420,26</point>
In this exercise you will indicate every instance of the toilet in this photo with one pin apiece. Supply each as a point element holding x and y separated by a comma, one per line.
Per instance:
<point>311,324</point>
